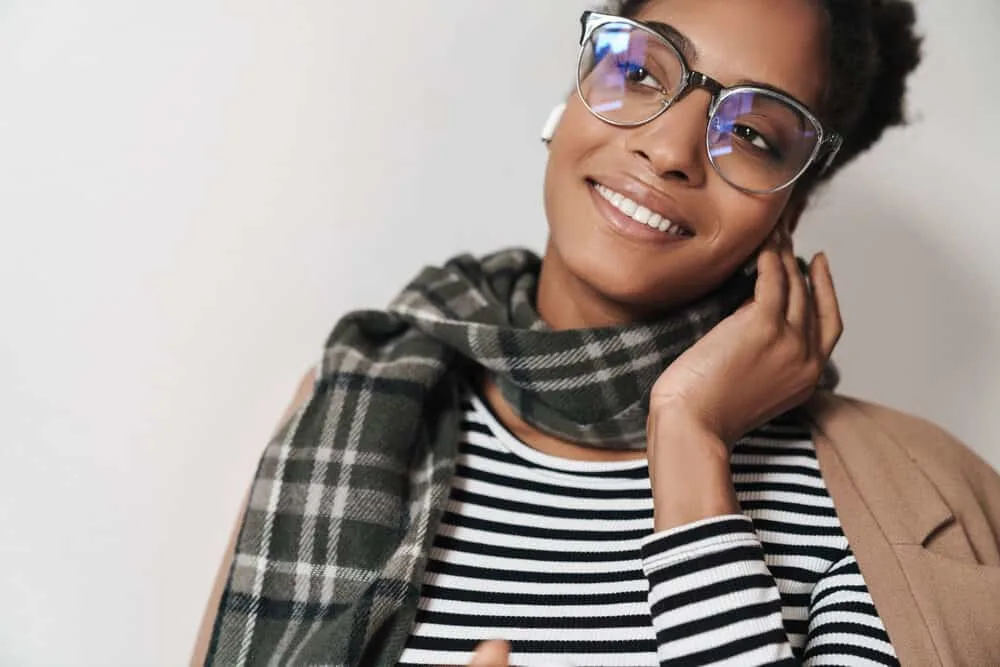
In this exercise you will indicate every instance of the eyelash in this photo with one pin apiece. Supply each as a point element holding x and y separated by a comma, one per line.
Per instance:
<point>630,68</point>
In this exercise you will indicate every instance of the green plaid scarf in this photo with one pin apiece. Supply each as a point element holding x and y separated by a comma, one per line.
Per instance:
<point>348,495</point>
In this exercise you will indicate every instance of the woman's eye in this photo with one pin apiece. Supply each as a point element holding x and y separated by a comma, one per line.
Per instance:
<point>638,74</point>
<point>754,138</point>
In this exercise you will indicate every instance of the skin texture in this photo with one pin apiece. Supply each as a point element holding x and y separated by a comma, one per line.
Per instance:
<point>777,344</point>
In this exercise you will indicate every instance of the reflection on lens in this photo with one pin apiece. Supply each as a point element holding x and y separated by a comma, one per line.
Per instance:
<point>626,75</point>
<point>759,142</point>
<point>720,149</point>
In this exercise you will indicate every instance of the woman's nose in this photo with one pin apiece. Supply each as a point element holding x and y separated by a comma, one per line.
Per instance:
<point>674,143</point>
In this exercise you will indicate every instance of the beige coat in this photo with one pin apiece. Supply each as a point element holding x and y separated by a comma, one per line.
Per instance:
<point>922,514</point>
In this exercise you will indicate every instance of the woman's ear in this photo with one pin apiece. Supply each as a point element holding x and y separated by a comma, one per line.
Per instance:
<point>549,129</point>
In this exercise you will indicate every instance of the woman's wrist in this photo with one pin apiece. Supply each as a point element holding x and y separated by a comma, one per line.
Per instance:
<point>689,472</point>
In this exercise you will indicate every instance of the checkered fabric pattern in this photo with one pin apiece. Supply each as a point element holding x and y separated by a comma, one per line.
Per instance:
<point>347,497</point>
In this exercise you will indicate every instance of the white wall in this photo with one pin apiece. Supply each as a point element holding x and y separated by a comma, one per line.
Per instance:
<point>192,191</point>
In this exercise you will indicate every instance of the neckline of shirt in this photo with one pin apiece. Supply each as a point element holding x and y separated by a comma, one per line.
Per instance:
<point>531,455</point>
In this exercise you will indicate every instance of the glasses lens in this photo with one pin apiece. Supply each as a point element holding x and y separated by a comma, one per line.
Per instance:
<point>759,142</point>
<point>627,74</point>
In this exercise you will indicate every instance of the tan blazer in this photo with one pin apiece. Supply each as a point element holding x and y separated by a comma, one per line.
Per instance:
<point>922,514</point>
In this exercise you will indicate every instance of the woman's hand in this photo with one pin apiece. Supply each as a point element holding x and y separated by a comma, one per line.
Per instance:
<point>491,653</point>
<point>761,361</point>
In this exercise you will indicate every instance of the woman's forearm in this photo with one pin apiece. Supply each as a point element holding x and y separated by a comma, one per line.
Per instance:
<point>689,472</point>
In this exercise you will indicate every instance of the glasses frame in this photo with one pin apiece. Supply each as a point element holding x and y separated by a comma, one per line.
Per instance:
<point>828,142</point>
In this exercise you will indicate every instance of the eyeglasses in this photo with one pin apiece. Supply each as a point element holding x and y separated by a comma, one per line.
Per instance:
<point>758,140</point>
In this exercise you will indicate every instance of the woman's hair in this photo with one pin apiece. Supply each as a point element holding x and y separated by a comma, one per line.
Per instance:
<point>872,48</point>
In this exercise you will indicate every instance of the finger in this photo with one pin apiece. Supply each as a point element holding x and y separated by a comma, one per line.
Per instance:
<point>492,653</point>
<point>799,308</point>
<point>830,323</point>
<point>771,290</point>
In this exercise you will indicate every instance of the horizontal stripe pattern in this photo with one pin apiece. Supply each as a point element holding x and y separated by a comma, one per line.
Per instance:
<point>559,558</point>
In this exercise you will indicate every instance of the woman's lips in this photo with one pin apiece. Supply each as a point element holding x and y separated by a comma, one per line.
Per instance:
<point>628,226</point>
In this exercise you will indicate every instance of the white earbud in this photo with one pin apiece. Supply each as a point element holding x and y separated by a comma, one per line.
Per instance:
<point>549,129</point>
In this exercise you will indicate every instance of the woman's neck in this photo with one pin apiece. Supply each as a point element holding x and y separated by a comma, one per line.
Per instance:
<point>543,442</point>
<point>564,301</point>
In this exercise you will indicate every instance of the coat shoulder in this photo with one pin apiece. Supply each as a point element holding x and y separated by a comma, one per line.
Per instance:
<point>929,445</point>
<point>965,481</point>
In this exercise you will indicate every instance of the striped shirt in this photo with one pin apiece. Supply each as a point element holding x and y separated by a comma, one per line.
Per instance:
<point>559,557</point>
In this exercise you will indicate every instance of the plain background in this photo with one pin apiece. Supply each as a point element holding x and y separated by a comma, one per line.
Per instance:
<point>191,193</point>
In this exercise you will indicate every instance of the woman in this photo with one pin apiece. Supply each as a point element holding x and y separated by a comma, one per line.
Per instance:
<point>615,456</point>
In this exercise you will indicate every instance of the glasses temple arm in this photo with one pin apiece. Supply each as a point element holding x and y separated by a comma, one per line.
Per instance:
<point>836,143</point>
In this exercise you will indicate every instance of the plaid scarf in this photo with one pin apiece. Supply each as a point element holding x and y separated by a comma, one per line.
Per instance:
<point>348,495</point>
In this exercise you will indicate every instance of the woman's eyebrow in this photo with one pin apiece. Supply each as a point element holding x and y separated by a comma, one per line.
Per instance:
<point>690,53</point>
<point>676,37</point>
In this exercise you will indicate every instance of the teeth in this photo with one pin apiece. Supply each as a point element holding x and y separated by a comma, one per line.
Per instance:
<point>639,213</point>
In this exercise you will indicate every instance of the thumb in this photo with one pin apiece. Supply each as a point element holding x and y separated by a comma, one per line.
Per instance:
<point>492,653</point>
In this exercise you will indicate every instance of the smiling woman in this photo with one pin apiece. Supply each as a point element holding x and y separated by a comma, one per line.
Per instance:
<point>629,451</point>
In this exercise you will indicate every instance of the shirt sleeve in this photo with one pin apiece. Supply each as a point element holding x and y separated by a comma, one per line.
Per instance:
<point>713,600</point>
<point>844,626</point>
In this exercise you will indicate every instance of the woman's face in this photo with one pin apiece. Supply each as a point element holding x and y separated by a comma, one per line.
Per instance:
<point>595,271</point>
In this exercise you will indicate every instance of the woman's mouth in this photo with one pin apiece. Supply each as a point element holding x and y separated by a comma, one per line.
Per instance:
<point>634,219</point>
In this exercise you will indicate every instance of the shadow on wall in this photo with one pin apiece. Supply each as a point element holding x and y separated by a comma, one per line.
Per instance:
<point>921,326</point>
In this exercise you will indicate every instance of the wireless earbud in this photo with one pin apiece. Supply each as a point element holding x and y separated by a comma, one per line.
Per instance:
<point>552,123</point>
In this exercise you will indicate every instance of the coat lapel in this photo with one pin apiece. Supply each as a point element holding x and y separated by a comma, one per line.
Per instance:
<point>883,500</point>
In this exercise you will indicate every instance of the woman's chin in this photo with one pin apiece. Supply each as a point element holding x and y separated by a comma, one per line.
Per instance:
<point>630,292</point>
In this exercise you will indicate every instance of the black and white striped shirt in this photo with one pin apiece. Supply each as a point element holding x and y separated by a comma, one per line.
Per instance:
<point>559,557</point>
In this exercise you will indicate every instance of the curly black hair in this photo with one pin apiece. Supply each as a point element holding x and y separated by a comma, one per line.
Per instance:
<point>873,47</point>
